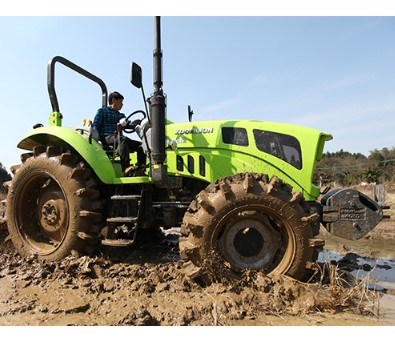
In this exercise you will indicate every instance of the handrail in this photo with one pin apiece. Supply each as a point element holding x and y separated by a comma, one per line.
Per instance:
<point>51,80</point>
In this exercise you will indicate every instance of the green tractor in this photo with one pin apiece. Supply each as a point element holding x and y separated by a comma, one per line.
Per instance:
<point>242,192</point>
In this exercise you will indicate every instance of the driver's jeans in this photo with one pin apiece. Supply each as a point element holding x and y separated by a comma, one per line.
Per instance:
<point>125,148</point>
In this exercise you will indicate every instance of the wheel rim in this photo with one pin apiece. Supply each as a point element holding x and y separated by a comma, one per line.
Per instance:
<point>255,237</point>
<point>42,213</point>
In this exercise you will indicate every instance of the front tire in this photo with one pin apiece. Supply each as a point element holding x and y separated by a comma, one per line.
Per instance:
<point>246,222</point>
<point>53,205</point>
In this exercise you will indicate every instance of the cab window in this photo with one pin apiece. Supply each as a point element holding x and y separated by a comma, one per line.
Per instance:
<point>235,136</point>
<point>282,146</point>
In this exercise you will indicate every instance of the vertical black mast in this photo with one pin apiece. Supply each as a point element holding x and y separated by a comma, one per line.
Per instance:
<point>157,57</point>
<point>158,155</point>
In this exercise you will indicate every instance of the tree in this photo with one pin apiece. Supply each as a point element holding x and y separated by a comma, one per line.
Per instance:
<point>4,175</point>
<point>345,168</point>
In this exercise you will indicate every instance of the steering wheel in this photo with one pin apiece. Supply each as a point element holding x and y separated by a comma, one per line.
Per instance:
<point>129,129</point>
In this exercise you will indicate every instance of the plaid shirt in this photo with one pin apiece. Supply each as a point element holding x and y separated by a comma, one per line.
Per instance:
<point>106,120</point>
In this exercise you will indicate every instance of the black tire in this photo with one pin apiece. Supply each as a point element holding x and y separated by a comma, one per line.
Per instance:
<point>53,205</point>
<point>246,222</point>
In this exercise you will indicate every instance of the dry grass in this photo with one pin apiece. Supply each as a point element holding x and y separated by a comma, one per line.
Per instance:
<point>348,291</point>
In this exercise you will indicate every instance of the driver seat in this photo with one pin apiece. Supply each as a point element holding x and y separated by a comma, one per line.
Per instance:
<point>112,150</point>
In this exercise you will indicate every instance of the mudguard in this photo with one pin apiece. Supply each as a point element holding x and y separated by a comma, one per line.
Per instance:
<point>79,140</point>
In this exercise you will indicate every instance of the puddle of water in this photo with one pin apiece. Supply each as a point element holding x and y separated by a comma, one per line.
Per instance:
<point>380,270</point>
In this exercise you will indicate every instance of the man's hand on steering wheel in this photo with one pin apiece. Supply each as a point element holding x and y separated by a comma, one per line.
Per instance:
<point>128,127</point>
<point>134,124</point>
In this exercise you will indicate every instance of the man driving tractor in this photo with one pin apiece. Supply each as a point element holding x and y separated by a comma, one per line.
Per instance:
<point>105,123</point>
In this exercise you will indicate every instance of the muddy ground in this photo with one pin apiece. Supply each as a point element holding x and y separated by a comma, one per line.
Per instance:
<point>147,286</point>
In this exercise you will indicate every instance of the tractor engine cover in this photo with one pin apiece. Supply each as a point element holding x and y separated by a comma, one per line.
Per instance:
<point>349,214</point>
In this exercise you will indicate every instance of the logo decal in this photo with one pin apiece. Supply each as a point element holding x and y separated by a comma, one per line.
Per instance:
<point>194,131</point>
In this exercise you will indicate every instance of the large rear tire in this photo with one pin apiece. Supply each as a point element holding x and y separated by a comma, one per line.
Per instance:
<point>53,205</point>
<point>246,222</point>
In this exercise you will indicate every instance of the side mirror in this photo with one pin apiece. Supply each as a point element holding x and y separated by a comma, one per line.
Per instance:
<point>136,76</point>
<point>190,113</point>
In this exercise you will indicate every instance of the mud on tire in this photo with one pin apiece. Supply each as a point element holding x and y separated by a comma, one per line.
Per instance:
<point>53,205</point>
<point>247,222</point>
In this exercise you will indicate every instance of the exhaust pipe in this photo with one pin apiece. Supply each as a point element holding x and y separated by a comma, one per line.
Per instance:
<point>157,112</point>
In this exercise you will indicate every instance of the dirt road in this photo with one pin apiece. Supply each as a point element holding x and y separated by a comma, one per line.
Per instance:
<point>147,286</point>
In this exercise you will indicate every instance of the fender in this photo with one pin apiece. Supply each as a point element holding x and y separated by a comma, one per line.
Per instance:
<point>76,139</point>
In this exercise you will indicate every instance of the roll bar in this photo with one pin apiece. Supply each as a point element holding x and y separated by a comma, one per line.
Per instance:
<point>51,80</point>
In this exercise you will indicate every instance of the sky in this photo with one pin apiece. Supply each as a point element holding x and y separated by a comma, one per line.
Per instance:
<point>334,73</point>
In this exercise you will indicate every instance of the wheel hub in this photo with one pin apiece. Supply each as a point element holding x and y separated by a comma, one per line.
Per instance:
<point>52,215</point>
<point>250,243</point>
